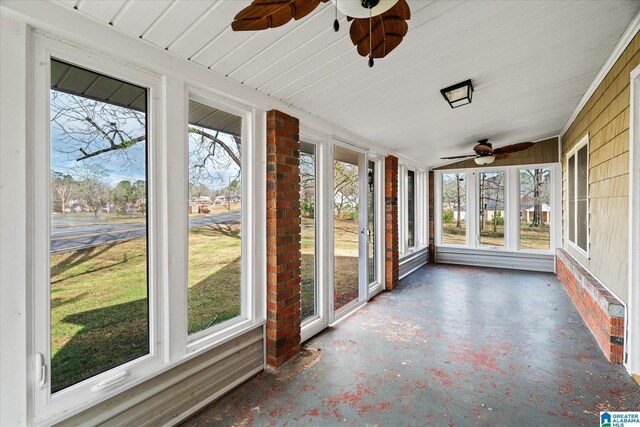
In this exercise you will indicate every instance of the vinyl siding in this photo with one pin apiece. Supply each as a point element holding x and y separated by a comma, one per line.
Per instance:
<point>605,117</point>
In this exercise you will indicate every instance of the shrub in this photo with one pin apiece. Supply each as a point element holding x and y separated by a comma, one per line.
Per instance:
<point>447,216</point>
<point>307,208</point>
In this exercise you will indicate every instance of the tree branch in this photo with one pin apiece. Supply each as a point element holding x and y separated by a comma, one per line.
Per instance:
<point>224,146</point>
<point>113,147</point>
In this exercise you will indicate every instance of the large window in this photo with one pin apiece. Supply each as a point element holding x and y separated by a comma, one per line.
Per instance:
<point>309,284</point>
<point>411,208</point>
<point>215,213</point>
<point>535,208</point>
<point>492,208</point>
<point>577,186</point>
<point>454,230</point>
<point>99,296</point>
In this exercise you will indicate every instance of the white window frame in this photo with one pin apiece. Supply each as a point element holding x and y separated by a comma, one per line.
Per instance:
<point>511,204</point>
<point>402,210</point>
<point>420,214</point>
<point>167,174</point>
<point>216,333</point>
<point>47,406</point>
<point>405,194</point>
<point>507,191</point>
<point>583,142</point>
<point>316,323</point>
<point>552,214</point>
<point>437,201</point>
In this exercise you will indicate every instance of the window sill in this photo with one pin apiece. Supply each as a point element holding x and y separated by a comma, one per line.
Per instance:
<point>413,252</point>
<point>219,337</point>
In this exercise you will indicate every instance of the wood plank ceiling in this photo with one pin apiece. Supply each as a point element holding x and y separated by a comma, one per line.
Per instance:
<point>530,63</point>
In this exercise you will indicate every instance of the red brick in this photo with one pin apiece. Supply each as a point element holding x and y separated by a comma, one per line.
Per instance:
<point>283,238</point>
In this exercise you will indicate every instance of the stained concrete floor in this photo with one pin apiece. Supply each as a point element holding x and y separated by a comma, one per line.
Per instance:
<point>451,346</point>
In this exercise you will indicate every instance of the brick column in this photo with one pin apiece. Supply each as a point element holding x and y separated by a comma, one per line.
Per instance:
<point>432,229</point>
<point>391,250</point>
<point>283,238</point>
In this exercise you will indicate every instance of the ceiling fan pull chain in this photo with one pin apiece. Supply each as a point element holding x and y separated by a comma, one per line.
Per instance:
<point>336,24</point>
<point>370,43</point>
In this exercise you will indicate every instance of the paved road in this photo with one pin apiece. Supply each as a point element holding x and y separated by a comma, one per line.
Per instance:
<point>66,237</point>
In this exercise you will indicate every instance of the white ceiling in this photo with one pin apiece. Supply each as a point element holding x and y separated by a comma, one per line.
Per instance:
<point>530,62</point>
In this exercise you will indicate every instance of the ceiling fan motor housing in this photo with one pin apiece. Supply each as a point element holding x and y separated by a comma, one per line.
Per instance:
<point>369,4</point>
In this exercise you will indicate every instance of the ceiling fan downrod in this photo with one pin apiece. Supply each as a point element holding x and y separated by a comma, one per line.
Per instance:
<point>370,35</point>
<point>336,24</point>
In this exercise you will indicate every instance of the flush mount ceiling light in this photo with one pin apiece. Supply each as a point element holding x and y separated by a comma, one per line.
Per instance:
<point>377,26</point>
<point>459,94</point>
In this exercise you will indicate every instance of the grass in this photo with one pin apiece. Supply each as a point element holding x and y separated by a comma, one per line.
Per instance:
<point>345,260</point>
<point>98,309</point>
<point>99,301</point>
<point>530,237</point>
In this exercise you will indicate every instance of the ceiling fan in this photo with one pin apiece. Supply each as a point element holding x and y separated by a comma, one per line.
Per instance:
<point>377,26</point>
<point>486,154</point>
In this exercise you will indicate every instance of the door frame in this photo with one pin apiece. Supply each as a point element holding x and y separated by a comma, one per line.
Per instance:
<point>335,316</point>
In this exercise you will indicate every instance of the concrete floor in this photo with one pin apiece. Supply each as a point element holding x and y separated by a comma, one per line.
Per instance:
<point>451,345</point>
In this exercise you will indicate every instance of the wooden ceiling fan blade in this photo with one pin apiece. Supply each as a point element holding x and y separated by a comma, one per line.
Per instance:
<point>483,148</point>
<point>513,148</point>
<point>458,157</point>
<point>264,14</point>
<point>387,31</point>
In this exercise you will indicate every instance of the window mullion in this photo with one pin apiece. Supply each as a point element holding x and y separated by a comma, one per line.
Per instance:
<point>177,221</point>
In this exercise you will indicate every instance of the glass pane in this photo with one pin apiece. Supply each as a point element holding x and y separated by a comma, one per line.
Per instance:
<point>371,224</point>
<point>492,208</point>
<point>215,213</point>
<point>454,230</point>
<point>345,215</point>
<point>535,211</point>
<point>308,285</point>
<point>581,197</point>
<point>571,189</point>
<point>411,209</point>
<point>98,164</point>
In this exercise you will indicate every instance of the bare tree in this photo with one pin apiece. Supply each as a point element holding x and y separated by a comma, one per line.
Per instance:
<point>535,185</point>
<point>64,189</point>
<point>345,187</point>
<point>91,128</point>
<point>91,186</point>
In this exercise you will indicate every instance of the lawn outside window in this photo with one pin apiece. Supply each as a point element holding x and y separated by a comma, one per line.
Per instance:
<point>508,208</point>
<point>96,283</point>
<point>112,305</point>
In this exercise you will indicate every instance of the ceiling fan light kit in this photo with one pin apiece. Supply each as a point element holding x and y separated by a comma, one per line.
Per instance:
<point>484,160</point>
<point>458,94</point>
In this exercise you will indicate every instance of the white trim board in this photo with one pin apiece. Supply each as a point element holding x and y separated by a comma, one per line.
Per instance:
<point>627,36</point>
<point>632,328</point>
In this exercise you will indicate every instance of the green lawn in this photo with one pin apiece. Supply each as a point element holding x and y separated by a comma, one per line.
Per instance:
<point>99,295</point>
<point>530,237</point>
<point>99,300</point>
